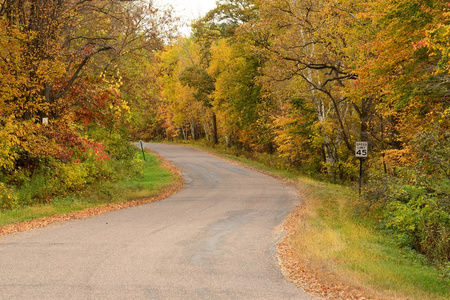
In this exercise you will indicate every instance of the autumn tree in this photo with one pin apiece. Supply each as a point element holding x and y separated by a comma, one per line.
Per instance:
<point>185,110</point>
<point>62,37</point>
<point>61,59</point>
<point>219,23</point>
<point>236,96</point>
<point>305,40</point>
<point>403,68</point>
<point>197,77</point>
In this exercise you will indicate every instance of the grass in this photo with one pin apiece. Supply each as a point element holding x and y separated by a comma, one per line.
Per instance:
<point>330,236</point>
<point>333,238</point>
<point>154,179</point>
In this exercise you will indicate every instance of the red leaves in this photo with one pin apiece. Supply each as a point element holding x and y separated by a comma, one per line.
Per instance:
<point>418,45</point>
<point>99,150</point>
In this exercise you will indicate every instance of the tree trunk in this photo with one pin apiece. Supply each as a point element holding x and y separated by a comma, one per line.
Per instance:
<point>192,123</point>
<point>205,129</point>
<point>214,121</point>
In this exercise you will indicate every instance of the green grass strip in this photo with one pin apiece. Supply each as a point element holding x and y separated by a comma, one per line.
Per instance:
<point>155,178</point>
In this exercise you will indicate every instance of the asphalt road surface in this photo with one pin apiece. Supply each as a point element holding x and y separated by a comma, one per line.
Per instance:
<point>215,239</point>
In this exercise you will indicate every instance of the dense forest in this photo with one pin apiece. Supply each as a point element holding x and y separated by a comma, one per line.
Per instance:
<point>301,81</point>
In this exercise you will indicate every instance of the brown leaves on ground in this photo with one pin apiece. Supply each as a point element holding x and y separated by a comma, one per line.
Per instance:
<point>315,279</point>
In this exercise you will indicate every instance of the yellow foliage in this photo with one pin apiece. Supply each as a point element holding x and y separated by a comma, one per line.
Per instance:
<point>8,199</point>
<point>289,143</point>
<point>399,157</point>
<point>72,176</point>
<point>8,141</point>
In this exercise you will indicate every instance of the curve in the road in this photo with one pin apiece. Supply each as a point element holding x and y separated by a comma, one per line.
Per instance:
<point>215,239</point>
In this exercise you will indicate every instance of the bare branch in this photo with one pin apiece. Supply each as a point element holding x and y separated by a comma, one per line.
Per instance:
<point>78,70</point>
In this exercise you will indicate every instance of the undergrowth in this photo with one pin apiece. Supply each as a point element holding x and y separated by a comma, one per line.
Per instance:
<point>127,184</point>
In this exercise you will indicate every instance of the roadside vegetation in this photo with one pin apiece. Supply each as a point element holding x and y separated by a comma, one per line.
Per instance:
<point>128,181</point>
<point>332,232</point>
<point>73,79</point>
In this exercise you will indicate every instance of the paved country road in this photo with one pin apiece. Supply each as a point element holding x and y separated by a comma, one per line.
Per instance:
<point>215,239</point>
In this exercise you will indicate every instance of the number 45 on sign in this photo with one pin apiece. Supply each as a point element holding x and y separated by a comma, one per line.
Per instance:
<point>361,149</point>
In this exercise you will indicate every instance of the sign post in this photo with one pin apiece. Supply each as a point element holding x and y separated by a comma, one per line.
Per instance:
<point>361,152</point>
<point>141,144</point>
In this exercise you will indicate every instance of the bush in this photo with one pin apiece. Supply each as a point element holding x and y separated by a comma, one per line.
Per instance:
<point>8,199</point>
<point>72,176</point>
<point>130,167</point>
<point>39,163</point>
<point>412,195</point>
<point>116,143</point>
<point>8,143</point>
<point>420,222</point>
<point>119,147</point>
<point>39,188</point>
<point>415,209</point>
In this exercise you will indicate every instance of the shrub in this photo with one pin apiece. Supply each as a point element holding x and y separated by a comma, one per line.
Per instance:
<point>72,176</point>
<point>130,167</point>
<point>417,214</point>
<point>119,148</point>
<point>39,188</point>
<point>420,222</point>
<point>8,199</point>
<point>413,193</point>
<point>8,141</point>
<point>38,163</point>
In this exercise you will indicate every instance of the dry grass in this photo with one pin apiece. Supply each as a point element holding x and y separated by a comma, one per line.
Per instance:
<point>333,255</point>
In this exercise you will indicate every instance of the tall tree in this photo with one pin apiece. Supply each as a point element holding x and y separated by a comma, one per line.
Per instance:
<point>221,22</point>
<point>185,108</point>
<point>237,95</point>
<point>308,40</point>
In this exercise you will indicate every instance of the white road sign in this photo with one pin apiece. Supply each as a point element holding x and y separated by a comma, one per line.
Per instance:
<point>362,149</point>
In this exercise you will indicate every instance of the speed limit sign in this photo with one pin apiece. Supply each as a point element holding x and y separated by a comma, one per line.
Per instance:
<point>361,149</point>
